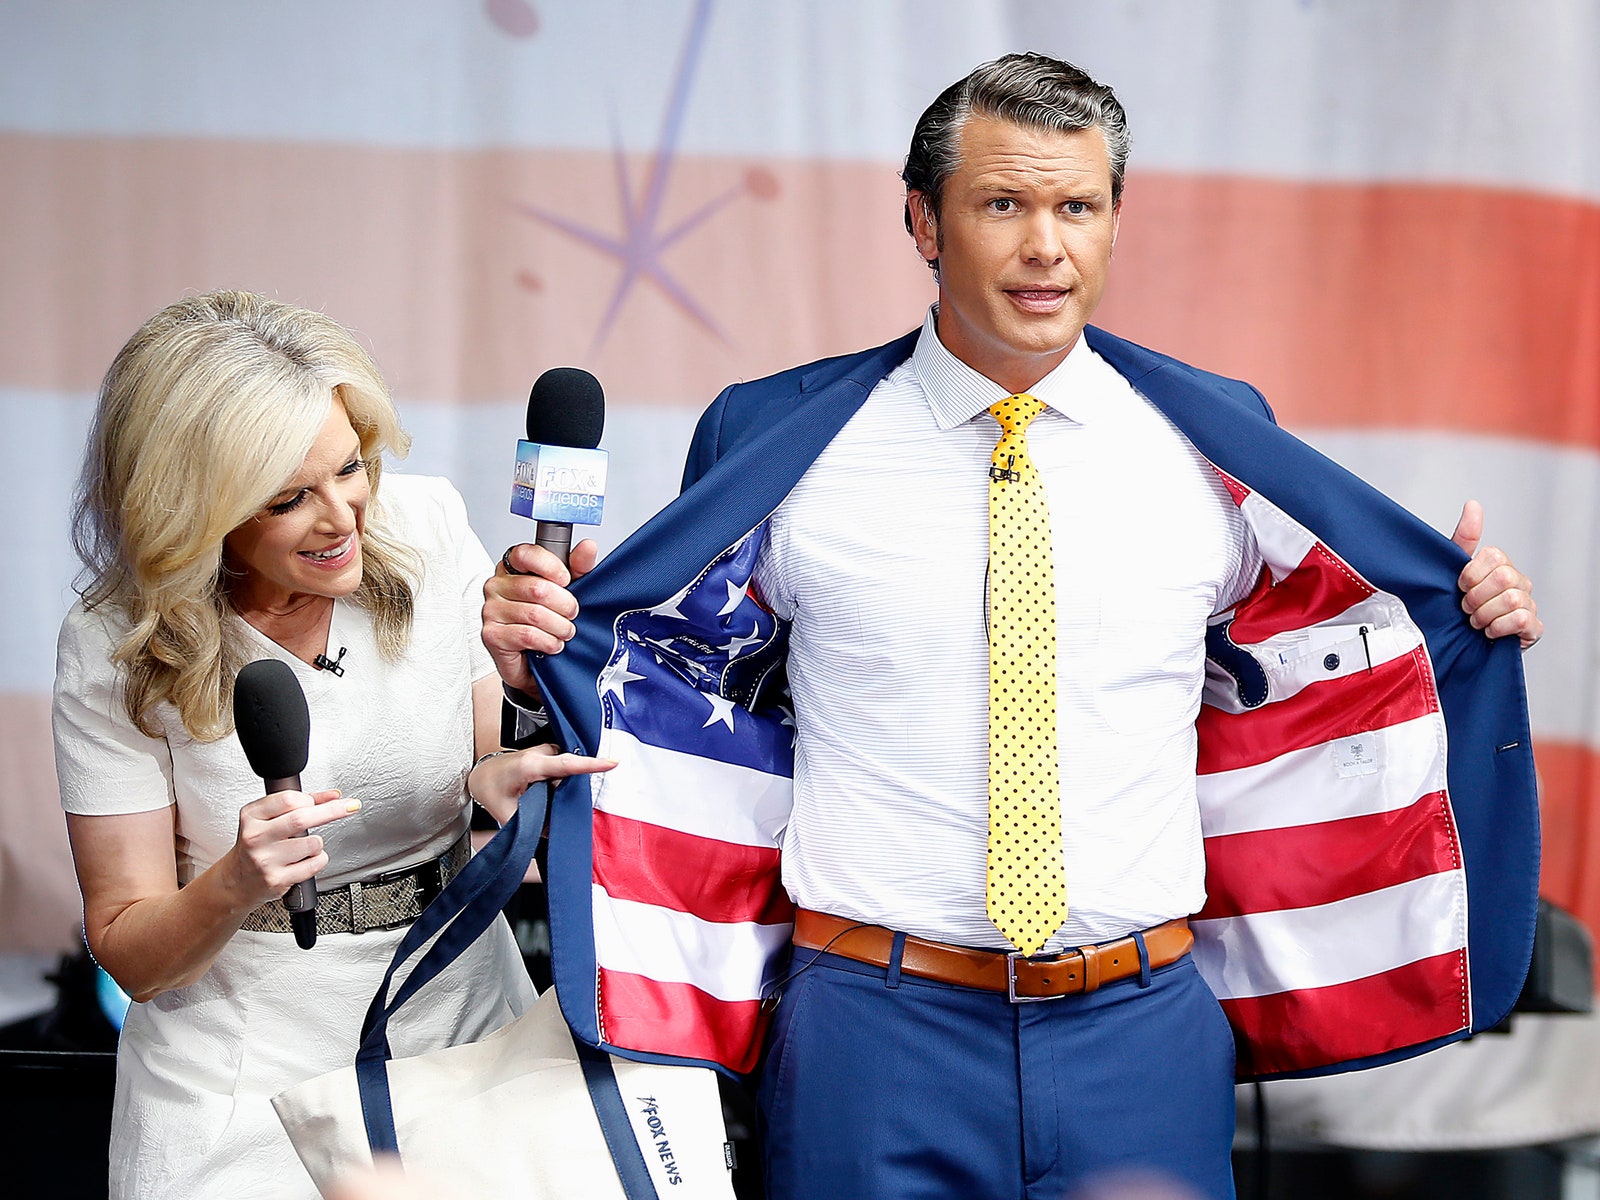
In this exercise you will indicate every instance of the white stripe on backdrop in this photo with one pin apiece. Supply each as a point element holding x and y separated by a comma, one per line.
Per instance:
<point>1446,90</point>
<point>1403,200</point>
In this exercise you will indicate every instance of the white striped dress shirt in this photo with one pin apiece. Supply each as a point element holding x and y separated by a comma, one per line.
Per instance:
<point>878,557</point>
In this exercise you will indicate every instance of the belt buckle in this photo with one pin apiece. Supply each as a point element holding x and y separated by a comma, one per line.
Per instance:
<point>433,879</point>
<point>1011,980</point>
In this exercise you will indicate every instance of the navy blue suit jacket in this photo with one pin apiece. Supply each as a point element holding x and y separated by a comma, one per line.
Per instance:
<point>757,439</point>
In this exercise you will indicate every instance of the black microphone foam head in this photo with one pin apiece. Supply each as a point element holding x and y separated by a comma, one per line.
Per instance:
<point>567,407</point>
<point>272,720</point>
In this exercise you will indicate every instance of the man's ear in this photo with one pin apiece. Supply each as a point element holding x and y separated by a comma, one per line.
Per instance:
<point>924,225</point>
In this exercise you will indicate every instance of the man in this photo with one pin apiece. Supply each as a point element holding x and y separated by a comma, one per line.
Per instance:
<point>997,563</point>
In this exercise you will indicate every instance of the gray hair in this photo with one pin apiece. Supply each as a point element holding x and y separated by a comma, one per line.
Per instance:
<point>1027,89</point>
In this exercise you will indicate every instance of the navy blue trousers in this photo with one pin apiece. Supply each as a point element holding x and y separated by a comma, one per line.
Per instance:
<point>879,1084</point>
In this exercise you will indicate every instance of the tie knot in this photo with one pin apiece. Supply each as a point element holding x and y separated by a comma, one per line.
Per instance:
<point>1014,412</point>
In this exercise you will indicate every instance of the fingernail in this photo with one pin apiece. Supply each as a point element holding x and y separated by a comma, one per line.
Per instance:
<point>352,806</point>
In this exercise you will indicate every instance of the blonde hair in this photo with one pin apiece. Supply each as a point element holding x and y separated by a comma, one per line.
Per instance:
<point>204,416</point>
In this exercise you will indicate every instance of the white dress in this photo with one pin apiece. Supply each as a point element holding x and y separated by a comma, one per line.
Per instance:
<point>197,1066</point>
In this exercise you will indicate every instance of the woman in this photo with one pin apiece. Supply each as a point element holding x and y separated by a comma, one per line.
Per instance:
<point>230,510</point>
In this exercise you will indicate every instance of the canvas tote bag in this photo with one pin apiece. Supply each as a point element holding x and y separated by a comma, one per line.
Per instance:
<point>527,1112</point>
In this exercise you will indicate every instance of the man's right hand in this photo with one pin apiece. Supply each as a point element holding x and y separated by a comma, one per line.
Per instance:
<point>529,607</point>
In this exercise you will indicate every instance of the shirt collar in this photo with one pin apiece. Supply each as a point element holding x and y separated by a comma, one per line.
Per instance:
<point>956,393</point>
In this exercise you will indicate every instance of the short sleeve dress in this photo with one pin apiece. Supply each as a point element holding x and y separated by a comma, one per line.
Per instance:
<point>198,1066</point>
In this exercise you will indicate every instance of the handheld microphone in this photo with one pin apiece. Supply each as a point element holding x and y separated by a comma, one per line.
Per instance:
<point>274,727</point>
<point>560,478</point>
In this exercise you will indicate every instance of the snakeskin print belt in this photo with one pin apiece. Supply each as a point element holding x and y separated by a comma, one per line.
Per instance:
<point>383,902</point>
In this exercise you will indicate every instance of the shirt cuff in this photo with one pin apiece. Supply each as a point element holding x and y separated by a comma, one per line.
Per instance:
<point>524,720</point>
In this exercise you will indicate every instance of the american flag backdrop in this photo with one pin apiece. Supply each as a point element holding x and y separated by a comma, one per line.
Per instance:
<point>1386,216</point>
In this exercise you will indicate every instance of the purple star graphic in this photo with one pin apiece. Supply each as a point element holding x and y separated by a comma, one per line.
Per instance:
<point>643,242</point>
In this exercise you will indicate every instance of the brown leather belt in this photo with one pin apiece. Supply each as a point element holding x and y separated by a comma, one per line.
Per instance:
<point>1021,979</point>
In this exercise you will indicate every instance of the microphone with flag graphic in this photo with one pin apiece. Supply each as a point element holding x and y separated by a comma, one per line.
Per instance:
<point>560,481</point>
<point>274,727</point>
<point>560,478</point>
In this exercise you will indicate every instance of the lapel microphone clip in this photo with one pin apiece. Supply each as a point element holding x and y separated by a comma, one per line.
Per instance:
<point>323,663</point>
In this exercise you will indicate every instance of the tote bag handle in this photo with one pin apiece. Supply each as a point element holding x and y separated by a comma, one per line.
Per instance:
<point>464,910</point>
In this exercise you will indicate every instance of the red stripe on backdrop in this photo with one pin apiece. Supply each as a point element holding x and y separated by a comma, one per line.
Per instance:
<point>1266,870</point>
<point>1364,1017</point>
<point>1396,691</point>
<point>715,881</point>
<point>435,258</point>
<point>678,1018</point>
<point>1349,304</point>
<point>1569,800</point>
<point>1372,305</point>
<point>1317,590</point>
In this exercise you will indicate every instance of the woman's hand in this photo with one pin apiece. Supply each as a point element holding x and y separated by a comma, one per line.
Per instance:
<point>497,783</point>
<point>270,856</point>
<point>152,935</point>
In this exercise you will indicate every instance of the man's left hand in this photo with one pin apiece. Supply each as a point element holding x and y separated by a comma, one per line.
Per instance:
<point>1498,598</point>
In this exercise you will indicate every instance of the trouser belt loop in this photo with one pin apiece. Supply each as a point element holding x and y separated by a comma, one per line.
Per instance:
<point>1144,958</point>
<point>897,951</point>
<point>1091,967</point>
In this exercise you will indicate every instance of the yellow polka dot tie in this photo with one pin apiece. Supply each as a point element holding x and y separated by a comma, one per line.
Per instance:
<point>1027,882</point>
